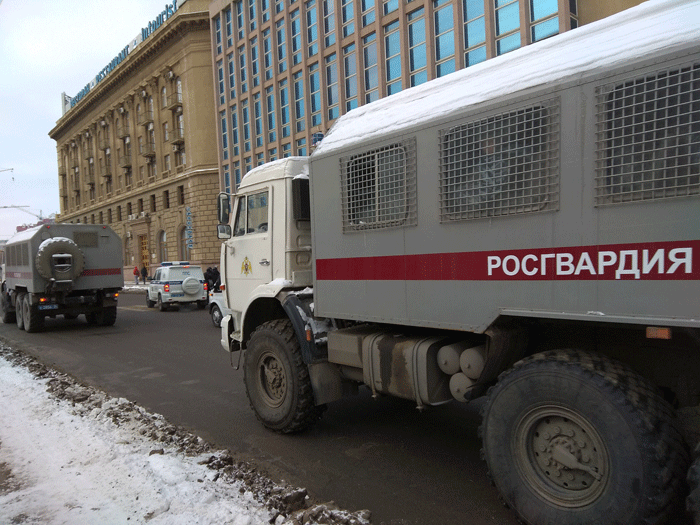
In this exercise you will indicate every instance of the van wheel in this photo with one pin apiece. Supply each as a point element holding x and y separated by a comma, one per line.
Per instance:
<point>572,437</point>
<point>161,305</point>
<point>216,316</point>
<point>277,380</point>
<point>33,320</point>
<point>19,314</point>
<point>149,303</point>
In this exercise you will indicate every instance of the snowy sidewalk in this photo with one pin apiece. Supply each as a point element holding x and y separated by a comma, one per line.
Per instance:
<point>71,454</point>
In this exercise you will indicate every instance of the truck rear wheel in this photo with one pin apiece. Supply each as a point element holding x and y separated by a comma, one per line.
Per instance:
<point>573,438</point>
<point>33,320</point>
<point>106,316</point>
<point>692,502</point>
<point>19,314</point>
<point>6,313</point>
<point>277,380</point>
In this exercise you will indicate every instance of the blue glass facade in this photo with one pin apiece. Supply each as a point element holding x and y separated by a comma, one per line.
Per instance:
<point>285,70</point>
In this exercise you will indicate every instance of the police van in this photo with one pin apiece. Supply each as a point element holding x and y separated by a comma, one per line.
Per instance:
<point>177,282</point>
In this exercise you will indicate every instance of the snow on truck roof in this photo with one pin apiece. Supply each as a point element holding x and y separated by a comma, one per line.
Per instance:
<point>290,167</point>
<point>653,26</point>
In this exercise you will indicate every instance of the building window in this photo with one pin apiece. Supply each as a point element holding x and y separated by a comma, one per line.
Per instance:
<point>286,150</point>
<point>265,10</point>
<point>348,15</point>
<point>237,173</point>
<point>367,12</point>
<point>369,53</point>
<point>166,163</point>
<point>257,108</point>
<point>166,132</point>
<point>272,154</point>
<point>220,73</point>
<point>417,55</point>
<point>392,48</point>
<point>544,21</point>
<point>243,77</point>
<point>254,61</point>
<point>128,208</point>
<point>350,66</point>
<point>332,87</point>
<point>281,47</point>
<point>253,14</point>
<point>229,27</point>
<point>299,101</point>
<point>648,137</point>
<point>184,246</point>
<point>507,25</point>
<point>267,53</point>
<point>166,199</point>
<point>163,97</point>
<point>284,109</point>
<point>109,215</point>
<point>444,38</point>
<point>224,135</point>
<point>240,20</point>
<point>315,95</point>
<point>501,165</point>
<point>119,213</point>
<point>474,32</point>
<point>311,27</point>
<point>260,159</point>
<point>153,202</point>
<point>329,22</point>
<point>392,5</point>
<point>227,178</point>
<point>246,126</point>
<point>234,131</point>
<point>378,188</point>
<point>217,32</point>
<point>231,76</point>
<point>295,25</point>
<point>271,124</point>
<point>181,195</point>
<point>301,147</point>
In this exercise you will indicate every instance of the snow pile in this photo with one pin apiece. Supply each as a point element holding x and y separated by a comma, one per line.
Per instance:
<point>72,454</point>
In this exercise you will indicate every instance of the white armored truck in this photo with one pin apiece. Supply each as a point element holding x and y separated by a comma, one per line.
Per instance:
<point>526,229</point>
<point>62,269</point>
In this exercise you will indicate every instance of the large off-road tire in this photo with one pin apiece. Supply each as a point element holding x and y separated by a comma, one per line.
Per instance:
<point>106,316</point>
<point>49,248</point>
<point>33,319</point>
<point>216,315</point>
<point>277,380</point>
<point>576,438</point>
<point>19,317</point>
<point>7,314</point>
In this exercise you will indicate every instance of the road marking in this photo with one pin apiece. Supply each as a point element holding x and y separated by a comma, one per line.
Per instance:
<point>135,308</point>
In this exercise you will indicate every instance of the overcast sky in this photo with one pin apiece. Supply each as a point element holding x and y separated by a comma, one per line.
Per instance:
<point>46,48</point>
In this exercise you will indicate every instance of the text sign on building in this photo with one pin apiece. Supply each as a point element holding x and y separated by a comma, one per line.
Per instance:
<point>168,11</point>
<point>189,233</point>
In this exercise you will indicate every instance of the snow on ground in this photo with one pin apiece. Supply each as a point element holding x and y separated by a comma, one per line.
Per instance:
<point>71,454</point>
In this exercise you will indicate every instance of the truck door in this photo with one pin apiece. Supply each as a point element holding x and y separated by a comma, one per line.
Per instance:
<point>249,261</point>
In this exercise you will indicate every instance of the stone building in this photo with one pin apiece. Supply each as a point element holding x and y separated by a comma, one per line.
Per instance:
<point>136,146</point>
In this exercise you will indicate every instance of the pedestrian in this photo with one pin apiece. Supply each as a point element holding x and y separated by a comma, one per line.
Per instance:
<point>136,274</point>
<point>144,273</point>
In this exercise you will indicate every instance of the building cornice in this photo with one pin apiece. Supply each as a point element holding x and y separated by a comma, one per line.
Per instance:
<point>181,26</point>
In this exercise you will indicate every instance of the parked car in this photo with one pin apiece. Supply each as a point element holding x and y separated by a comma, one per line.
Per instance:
<point>175,283</point>
<point>217,307</point>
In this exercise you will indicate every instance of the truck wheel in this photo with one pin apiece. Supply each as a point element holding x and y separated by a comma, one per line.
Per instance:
<point>33,320</point>
<point>108,316</point>
<point>216,316</point>
<point>19,317</point>
<point>202,304</point>
<point>6,313</point>
<point>49,248</point>
<point>161,305</point>
<point>573,438</point>
<point>277,380</point>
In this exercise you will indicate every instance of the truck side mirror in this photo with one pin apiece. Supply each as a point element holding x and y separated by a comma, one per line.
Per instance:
<point>223,208</point>
<point>223,231</point>
<point>301,199</point>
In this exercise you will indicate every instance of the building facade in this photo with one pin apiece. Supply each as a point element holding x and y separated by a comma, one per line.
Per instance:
<point>285,70</point>
<point>136,146</point>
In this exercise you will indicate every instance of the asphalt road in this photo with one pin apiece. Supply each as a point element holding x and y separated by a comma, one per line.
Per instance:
<point>407,467</point>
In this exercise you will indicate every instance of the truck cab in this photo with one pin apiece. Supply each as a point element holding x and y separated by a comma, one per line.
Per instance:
<point>267,247</point>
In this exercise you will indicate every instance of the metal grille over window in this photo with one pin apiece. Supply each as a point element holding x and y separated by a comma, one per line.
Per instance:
<point>648,137</point>
<point>379,188</point>
<point>506,164</point>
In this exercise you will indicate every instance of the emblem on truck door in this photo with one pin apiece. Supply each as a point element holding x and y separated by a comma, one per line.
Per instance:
<point>246,267</point>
